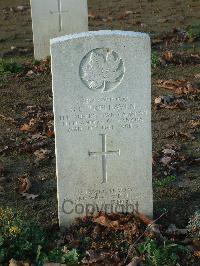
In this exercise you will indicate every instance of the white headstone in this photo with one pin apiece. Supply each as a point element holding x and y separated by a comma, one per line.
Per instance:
<point>53,18</point>
<point>102,105</point>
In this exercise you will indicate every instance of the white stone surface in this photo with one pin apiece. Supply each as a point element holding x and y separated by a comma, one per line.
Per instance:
<point>102,106</point>
<point>53,18</point>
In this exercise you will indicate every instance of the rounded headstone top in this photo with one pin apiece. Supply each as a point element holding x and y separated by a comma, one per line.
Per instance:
<point>100,33</point>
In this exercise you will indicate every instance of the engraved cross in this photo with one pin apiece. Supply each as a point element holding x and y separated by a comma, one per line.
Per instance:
<point>59,12</point>
<point>104,154</point>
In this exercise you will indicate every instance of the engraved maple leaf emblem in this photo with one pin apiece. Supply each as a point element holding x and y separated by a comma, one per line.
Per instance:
<point>102,69</point>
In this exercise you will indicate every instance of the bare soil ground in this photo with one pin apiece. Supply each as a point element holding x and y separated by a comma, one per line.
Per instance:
<point>175,129</point>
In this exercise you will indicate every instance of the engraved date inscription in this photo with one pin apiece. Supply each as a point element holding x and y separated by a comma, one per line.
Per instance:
<point>102,114</point>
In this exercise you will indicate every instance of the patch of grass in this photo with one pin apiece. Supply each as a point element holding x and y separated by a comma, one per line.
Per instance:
<point>7,67</point>
<point>19,237</point>
<point>168,254</point>
<point>166,181</point>
<point>193,32</point>
<point>35,62</point>
<point>3,80</point>
<point>58,255</point>
<point>154,59</point>
<point>22,239</point>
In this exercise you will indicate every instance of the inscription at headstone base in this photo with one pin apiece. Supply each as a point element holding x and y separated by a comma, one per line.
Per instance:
<point>52,18</point>
<point>102,106</point>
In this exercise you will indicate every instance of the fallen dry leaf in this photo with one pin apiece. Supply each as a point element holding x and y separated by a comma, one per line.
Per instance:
<point>29,147</point>
<point>158,100</point>
<point>38,136</point>
<point>44,66</point>
<point>21,8</point>
<point>169,151</point>
<point>7,119</point>
<point>25,127</point>
<point>25,184</point>
<point>4,149</point>
<point>162,20</point>
<point>166,160</point>
<point>102,220</point>
<point>30,73</point>
<point>197,253</point>
<point>91,15</point>
<point>196,243</point>
<point>13,262</point>
<point>144,218</point>
<point>128,12</point>
<point>93,256</point>
<point>50,134</point>
<point>194,124</point>
<point>168,55</point>
<point>179,58</point>
<point>31,126</point>
<point>179,87</point>
<point>167,99</point>
<point>170,102</point>
<point>38,121</point>
<point>186,135</point>
<point>115,222</point>
<point>172,106</point>
<point>41,154</point>
<point>135,261</point>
